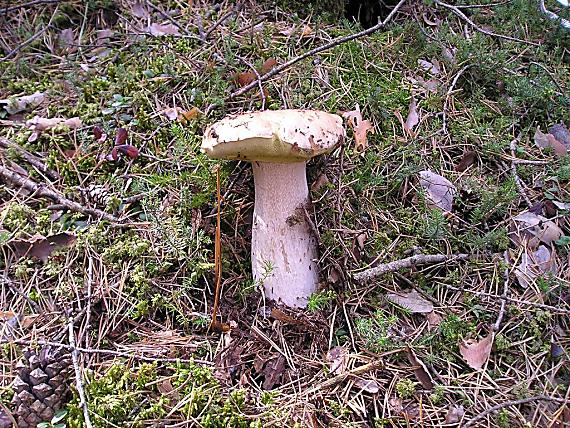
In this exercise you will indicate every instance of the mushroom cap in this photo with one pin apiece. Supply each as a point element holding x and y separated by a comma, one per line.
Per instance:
<point>279,136</point>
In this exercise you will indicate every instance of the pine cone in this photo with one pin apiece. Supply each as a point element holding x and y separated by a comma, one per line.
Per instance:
<point>41,385</point>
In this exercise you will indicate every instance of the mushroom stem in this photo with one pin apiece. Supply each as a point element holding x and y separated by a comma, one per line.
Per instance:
<point>283,248</point>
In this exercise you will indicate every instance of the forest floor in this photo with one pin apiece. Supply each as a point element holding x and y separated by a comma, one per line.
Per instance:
<point>108,213</point>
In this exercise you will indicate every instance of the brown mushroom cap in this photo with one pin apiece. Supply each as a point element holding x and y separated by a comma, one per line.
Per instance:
<point>279,136</point>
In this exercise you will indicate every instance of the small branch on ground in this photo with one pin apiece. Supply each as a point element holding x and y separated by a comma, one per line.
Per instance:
<point>417,260</point>
<point>501,315</point>
<point>32,159</point>
<point>78,378</point>
<point>26,5</point>
<point>496,408</point>
<point>19,181</point>
<point>448,95</point>
<point>553,309</point>
<point>312,52</point>
<point>518,181</point>
<point>464,17</point>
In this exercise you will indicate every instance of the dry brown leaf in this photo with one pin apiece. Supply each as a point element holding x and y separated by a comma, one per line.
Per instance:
<point>533,264</point>
<point>171,113</point>
<point>368,385</point>
<point>440,191</point>
<point>561,133</point>
<point>338,359</point>
<point>15,105</point>
<point>420,370</point>
<point>359,127</point>
<point>413,118</point>
<point>66,40</point>
<point>140,10</point>
<point>322,180</point>
<point>454,414</point>
<point>532,229</point>
<point>158,30</point>
<point>268,65</point>
<point>433,319</point>
<point>245,78</point>
<point>411,301</point>
<point>468,159</point>
<point>40,247</point>
<point>273,371</point>
<point>476,352</point>
<point>40,124</point>
<point>543,140</point>
<point>305,31</point>
<point>187,116</point>
<point>431,67</point>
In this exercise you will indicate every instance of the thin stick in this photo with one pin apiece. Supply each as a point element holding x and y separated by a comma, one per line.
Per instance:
<point>335,42</point>
<point>417,260</point>
<point>496,408</point>
<point>150,358</point>
<point>374,365</point>
<point>25,5</point>
<point>518,180</point>
<point>501,315</point>
<point>17,180</point>
<point>78,380</point>
<point>459,13</point>
<point>217,254</point>
<point>32,159</point>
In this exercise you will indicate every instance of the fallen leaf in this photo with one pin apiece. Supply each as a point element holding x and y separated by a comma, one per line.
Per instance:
<point>121,136</point>
<point>66,40</point>
<point>245,78</point>
<point>359,127</point>
<point>561,133</point>
<point>40,124</point>
<point>338,359</point>
<point>476,352</point>
<point>158,30</point>
<point>268,65</point>
<point>454,414</point>
<point>128,150</point>
<point>139,10</point>
<point>413,118</point>
<point>279,315</point>
<point>532,229</point>
<point>40,247</point>
<point>305,31</point>
<point>99,134</point>
<point>368,385</point>
<point>420,370</point>
<point>543,141</point>
<point>273,371</point>
<point>533,264</point>
<point>15,105</point>
<point>440,191</point>
<point>411,301</point>
<point>192,114</point>
<point>104,36</point>
<point>432,67</point>
<point>321,181</point>
<point>433,319</point>
<point>171,113</point>
<point>468,159</point>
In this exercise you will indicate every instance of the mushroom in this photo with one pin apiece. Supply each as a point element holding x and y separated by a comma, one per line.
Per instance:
<point>278,144</point>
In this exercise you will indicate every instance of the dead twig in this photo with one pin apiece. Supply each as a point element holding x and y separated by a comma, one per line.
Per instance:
<point>338,41</point>
<point>32,159</point>
<point>417,260</point>
<point>7,10</point>
<point>518,181</point>
<point>464,17</point>
<point>496,408</point>
<point>16,180</point>
<point>78,377</point>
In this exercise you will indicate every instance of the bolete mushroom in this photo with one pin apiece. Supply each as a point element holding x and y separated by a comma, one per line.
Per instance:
<point>278,144</point>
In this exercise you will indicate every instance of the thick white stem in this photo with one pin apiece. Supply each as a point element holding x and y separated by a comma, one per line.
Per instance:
<point>283,248</point>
